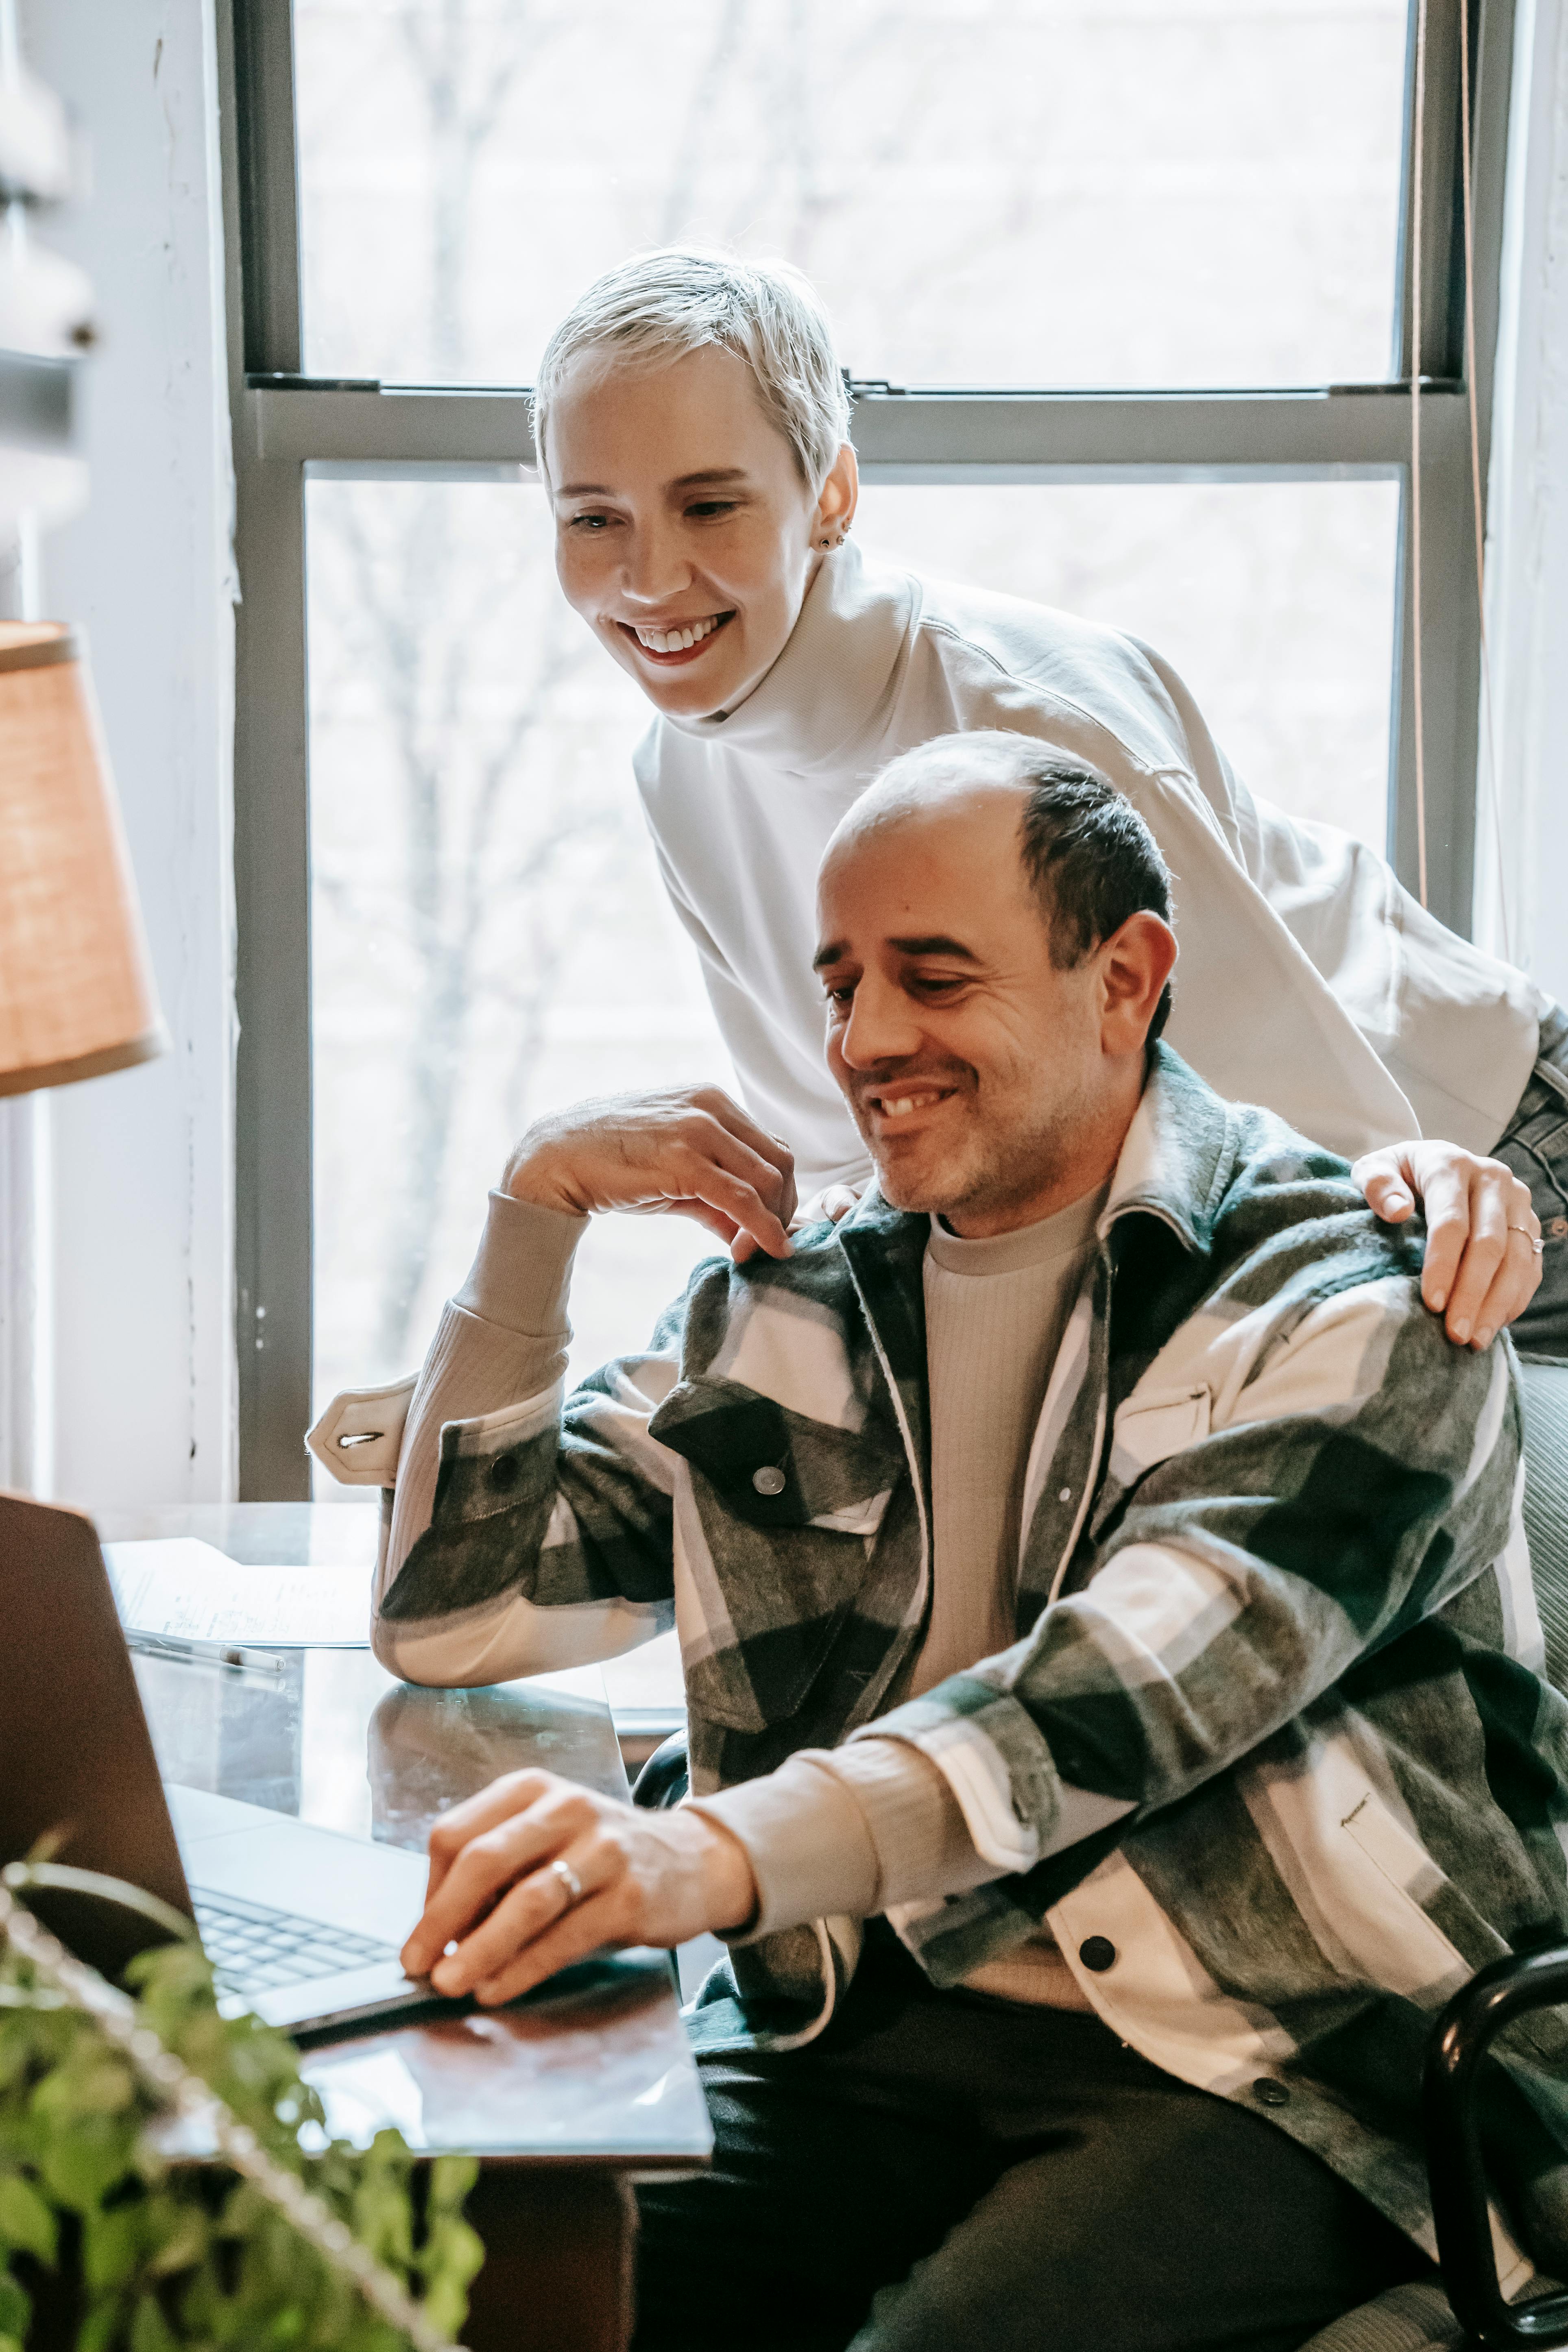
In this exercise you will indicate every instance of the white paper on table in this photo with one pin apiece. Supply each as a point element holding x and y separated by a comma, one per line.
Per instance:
<point>177,1589</point>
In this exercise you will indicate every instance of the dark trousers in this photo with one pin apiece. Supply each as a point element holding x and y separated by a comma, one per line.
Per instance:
<point>941,2171</point>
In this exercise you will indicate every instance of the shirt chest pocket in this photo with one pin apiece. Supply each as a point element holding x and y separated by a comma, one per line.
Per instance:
<point>782,1515</point>
<point>1152,1425</point>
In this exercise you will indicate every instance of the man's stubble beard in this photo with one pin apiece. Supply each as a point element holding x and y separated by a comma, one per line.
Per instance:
<point>1020,1165</point>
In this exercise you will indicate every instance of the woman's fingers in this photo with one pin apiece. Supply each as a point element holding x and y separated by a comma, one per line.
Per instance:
<point>1446,1200</point>
<point>1513,1286</point>
<point>1481,1270</point>
<point>1385,1177</point>
<point>1481,1227</point>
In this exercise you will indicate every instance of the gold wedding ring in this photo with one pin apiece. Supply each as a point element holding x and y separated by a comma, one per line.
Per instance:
<point>571,1885</point>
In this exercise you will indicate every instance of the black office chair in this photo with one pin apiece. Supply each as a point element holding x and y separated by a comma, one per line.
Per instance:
<point>1466,2310</point>
<point>663,1779</point>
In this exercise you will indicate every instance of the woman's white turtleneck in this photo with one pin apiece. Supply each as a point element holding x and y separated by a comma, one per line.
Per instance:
<point>1307,981</point>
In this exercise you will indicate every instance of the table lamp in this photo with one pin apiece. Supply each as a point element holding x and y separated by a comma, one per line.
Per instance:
<point>77,996</point>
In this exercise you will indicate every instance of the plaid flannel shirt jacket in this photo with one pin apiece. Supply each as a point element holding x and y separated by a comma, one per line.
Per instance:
<point>1271,1726</point>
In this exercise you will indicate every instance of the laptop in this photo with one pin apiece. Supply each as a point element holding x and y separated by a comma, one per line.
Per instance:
<point>302,1926</point>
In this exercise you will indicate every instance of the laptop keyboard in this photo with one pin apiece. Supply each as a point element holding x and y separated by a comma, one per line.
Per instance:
<point>253,1948</point>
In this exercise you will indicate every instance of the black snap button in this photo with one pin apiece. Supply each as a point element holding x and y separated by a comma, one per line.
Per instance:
<point>1099,1953</point>
<point>505,1472</point>
<point>1270,2093</point>
<point>769,1479</point>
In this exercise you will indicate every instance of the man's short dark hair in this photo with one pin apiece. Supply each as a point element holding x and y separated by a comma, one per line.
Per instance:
<point>1092,862</point>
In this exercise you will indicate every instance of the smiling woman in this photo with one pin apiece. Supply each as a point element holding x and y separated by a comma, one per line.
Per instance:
<point>686,534</point>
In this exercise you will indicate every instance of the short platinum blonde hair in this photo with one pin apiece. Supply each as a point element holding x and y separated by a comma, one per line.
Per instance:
<point>681,298</point>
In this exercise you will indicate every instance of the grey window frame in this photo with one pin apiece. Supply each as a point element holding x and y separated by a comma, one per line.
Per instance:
<point>285,422</point>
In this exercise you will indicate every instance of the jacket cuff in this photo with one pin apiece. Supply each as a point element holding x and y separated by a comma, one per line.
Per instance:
<point>521,1273</point>
<point>1017,1809</point>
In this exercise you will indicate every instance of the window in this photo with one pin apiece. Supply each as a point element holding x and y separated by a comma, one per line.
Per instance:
<point>1230,168</point>
<point>1123,286</point>
<point>480,952</point>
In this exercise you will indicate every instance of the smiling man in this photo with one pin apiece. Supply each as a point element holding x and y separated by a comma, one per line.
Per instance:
<point>1106,1632</point>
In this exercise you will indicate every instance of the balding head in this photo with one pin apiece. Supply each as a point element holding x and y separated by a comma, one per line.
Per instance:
<point>1081,846</point>
<point>994,944</point>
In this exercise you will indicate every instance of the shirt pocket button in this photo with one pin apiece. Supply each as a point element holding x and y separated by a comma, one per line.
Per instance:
<point>1097,1953</point>
<point>505,1472</point>
<point>769,1480</point>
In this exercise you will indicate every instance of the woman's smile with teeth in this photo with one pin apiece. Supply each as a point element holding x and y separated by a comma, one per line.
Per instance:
<point>678,639</point>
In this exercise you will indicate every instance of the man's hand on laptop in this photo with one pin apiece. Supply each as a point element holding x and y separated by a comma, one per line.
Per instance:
<point>503,1909</point>
<point>1483,1237</point>
<point>689,1151</point>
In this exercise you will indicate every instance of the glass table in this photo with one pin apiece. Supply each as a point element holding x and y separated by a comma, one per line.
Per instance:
<point>569,2095</point>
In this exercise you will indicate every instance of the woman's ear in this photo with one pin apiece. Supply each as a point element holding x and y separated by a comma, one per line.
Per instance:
<point>837,499</point>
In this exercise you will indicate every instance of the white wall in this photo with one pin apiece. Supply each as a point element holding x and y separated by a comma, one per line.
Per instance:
<point>1524,844</point>
<point>142,1345</point>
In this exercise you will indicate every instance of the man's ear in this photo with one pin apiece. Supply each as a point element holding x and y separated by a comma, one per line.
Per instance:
<point>1135,963</point>
<point>840,497</point>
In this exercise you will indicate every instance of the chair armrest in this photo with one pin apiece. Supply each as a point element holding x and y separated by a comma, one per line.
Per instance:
<point>665,1777</point>
<point>1508,1988</point>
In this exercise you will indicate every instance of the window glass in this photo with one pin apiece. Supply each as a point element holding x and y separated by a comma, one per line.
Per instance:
<point>489,937</point>
<point>1274,601</point>
<point>1012,192</point>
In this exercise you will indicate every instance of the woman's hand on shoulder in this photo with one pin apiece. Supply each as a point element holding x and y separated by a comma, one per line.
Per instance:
<point>1483,1237</point>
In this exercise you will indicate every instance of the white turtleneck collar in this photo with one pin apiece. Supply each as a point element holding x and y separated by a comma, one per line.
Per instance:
<point>838,675</point>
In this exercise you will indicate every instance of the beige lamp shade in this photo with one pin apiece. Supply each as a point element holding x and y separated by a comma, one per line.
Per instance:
<point>76,986</point>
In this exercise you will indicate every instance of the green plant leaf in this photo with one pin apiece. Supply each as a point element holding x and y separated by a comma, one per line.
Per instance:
<point>79,2172</point>
<point>15,2307</point>
<point>101,2327</point>
<point>150,2331</point>
<point>111,2246</point>
<point>173,2254</point>
<point>184,2235</point>
<point>25,2220</point>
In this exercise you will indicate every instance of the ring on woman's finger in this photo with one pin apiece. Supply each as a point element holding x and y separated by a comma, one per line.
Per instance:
<point>1536,1243</point>
<point>571,1885</point>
